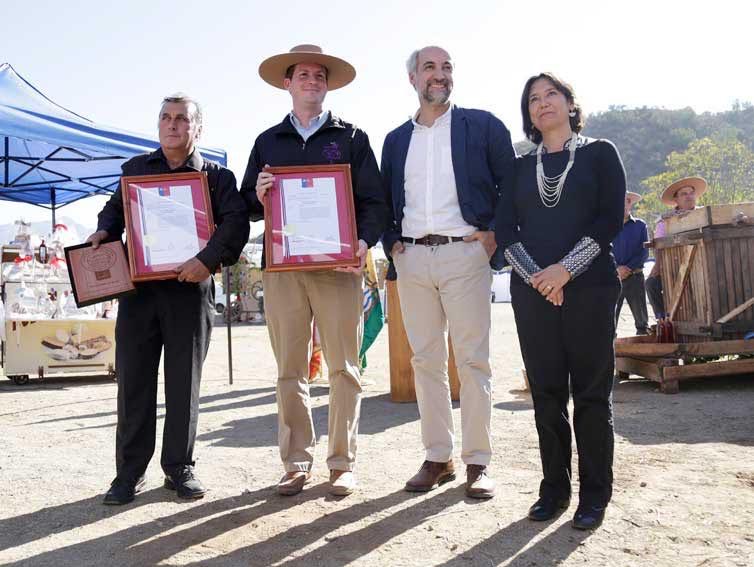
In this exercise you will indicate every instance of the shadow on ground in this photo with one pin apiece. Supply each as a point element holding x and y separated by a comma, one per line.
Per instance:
<point>378,414</point>
<point>644,416</point>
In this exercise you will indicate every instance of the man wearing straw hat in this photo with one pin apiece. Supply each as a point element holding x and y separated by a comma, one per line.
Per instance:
<point>630,255</point>
<point>682,196</point>
<point>309,135</point>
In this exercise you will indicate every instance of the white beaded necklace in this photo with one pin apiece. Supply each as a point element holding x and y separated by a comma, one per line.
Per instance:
<point>550,188</point>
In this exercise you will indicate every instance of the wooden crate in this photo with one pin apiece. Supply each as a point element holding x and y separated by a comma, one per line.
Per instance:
<point>711,215</point>
<point>708,281</point>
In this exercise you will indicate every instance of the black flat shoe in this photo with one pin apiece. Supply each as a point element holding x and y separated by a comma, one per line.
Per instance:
<point>547,508</point>
<point>588,517</point>
<point>185,484</point>
<point>123,491</point>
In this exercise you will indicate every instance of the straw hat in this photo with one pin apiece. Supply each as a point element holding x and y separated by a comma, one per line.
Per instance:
<point>339,72</point>
<point>698,184</point>
<point>633,198</point>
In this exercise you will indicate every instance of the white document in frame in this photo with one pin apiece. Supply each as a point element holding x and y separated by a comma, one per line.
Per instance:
<point>168,224</point>
<point>311,216</point>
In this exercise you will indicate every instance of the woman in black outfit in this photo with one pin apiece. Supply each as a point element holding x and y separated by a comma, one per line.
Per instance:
<point>556,224</point>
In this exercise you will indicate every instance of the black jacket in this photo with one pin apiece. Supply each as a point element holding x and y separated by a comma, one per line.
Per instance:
<point>335,142</point>
<point>228,209</point>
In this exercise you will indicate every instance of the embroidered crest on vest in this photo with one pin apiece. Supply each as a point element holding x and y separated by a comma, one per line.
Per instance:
<point>332,152</point>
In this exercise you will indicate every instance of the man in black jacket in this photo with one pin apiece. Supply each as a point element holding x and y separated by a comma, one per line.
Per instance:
<point>175,314</point>
<point>310,136</point>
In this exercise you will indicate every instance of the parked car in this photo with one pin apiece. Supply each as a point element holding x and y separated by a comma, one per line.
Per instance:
<point>220,297</point>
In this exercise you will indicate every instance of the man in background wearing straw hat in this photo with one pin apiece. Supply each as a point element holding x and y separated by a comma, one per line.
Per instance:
<point>309,135</point>
<point>682,196</point>
<point>630,255</point>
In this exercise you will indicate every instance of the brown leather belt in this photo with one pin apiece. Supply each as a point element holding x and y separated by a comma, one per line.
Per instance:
<point>432,240</point>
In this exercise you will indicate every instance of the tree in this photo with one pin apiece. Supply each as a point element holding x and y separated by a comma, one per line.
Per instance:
<point>723,160</point>
<point>645,137</point>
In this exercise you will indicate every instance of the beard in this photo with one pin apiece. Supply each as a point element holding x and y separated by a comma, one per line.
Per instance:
<point>435,97</point>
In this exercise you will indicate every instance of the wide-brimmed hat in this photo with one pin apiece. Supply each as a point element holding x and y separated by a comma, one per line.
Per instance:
<point>632,197</point>
<point>699,184</point>
<point>339,72</point>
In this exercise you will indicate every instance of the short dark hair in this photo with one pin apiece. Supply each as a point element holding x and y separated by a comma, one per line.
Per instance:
<point>577,121</point>
<point>289,71</point>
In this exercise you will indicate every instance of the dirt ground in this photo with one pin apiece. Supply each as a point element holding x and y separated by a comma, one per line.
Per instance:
<point>684,478</point>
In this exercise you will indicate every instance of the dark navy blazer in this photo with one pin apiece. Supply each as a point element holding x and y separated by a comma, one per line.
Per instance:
<point>482,156</point>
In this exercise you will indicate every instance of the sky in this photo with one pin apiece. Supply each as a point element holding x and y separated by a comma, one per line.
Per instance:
<point>113,62</point>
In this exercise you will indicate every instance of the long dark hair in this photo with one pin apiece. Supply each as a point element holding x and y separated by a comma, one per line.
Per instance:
<point>577,122</point>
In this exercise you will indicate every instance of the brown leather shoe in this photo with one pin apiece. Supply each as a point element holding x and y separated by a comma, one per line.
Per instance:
<point>293,482</point>
<point>478,483</point>
<point>431,475</point>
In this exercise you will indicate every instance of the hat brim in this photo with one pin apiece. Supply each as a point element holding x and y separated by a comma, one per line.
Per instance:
<point>698,183</point>
<point>339,72</point>
<point>633,197</point>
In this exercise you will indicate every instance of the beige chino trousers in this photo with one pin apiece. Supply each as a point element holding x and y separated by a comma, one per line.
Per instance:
<point>444,289</point>
<point>333,299</point>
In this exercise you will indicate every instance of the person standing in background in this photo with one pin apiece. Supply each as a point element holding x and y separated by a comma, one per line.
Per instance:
<point>630,255</point>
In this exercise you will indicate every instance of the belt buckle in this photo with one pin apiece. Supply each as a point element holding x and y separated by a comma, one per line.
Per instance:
<point>435,240</point>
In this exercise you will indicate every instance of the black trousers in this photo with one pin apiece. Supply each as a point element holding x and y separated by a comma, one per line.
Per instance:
<point>572,343</point>
<point>633,291</point>
<point>177,317</point>
<point>656,297</point>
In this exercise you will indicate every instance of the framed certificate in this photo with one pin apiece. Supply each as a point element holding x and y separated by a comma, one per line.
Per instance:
<point>98,275</point>
<point>309,219</point>
<point>168,221</point>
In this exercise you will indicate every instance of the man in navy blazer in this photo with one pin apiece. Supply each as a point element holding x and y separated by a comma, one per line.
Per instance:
<point>443,172</point>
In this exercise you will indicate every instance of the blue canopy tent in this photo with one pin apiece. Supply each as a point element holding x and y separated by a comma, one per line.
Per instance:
<point>51,157</point>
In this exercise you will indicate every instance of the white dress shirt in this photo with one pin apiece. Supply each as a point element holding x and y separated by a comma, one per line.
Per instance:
<point>430,184</point>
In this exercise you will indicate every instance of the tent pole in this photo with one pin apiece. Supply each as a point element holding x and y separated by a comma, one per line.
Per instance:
<point>52,202</point>
<point>7,162</point>
<point>228,312</point>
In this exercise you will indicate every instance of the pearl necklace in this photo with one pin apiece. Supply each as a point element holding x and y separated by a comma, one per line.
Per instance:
<point>550,188</point>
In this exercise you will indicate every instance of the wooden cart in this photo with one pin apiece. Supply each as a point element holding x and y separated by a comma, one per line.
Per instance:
<point>707,270</point>
<point>670,363</point>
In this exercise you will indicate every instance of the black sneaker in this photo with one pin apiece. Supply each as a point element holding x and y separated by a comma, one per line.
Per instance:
<point>588,517</point>
<point>123,491</point>
<point>185,483</point>
<point>546,508</point>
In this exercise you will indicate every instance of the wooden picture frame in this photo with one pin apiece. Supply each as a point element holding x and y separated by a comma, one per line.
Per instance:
<point>309,218</point>
<point>98,275</point>
<point>168,220</point>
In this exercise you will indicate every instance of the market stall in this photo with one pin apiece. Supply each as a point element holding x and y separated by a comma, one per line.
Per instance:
<point>43,331</point>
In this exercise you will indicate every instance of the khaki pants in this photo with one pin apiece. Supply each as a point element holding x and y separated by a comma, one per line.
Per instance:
<point>333,299</point>
<point>447,288</point>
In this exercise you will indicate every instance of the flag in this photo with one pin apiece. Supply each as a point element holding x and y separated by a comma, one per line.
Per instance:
<point>373,317</point>
<point>315,362</point>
